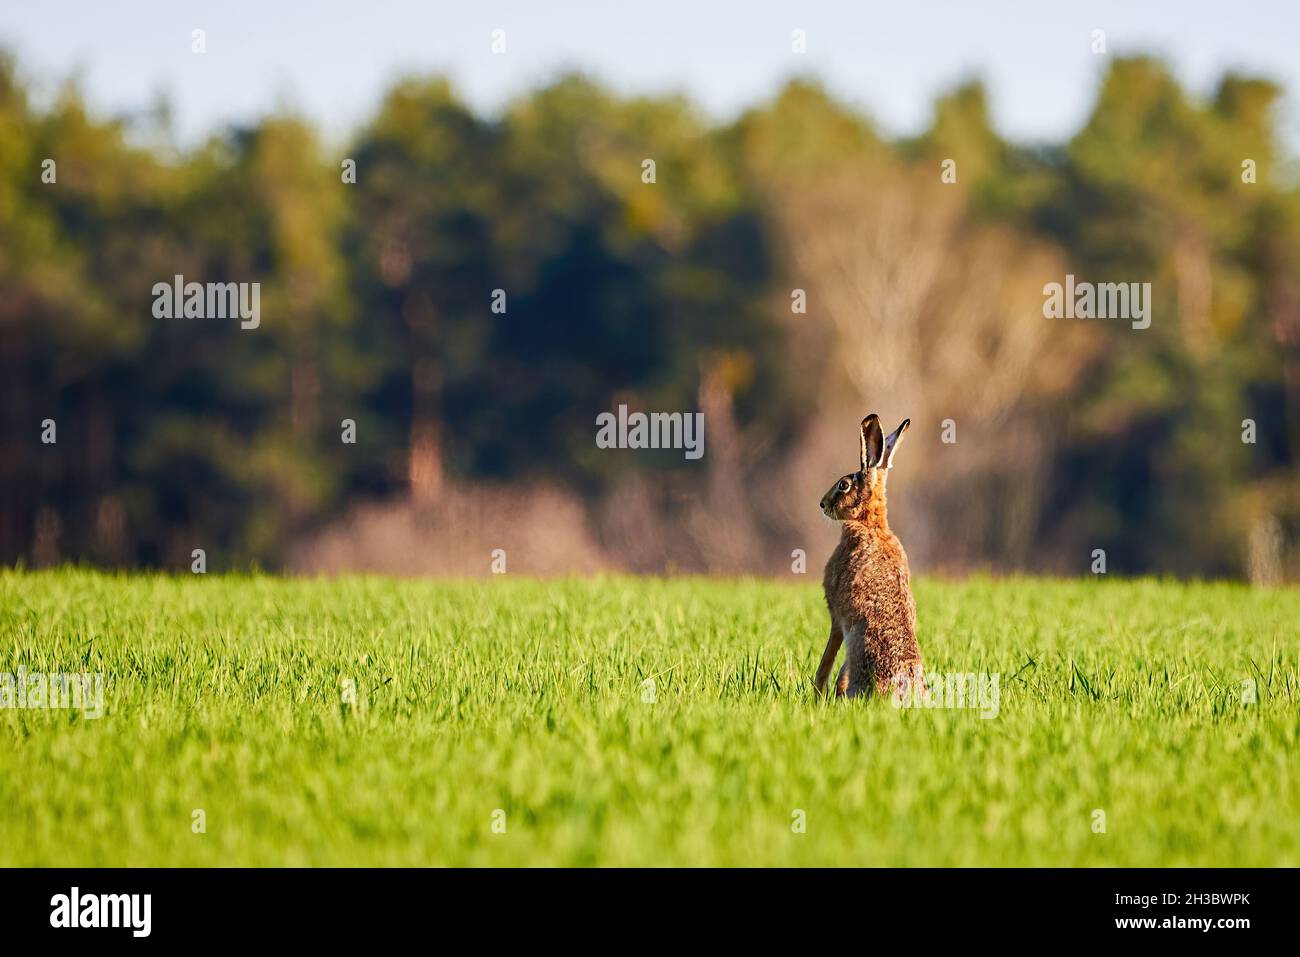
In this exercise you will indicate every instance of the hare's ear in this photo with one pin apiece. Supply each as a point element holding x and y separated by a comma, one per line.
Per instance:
<point>873,441</point>
<point>891,442</point>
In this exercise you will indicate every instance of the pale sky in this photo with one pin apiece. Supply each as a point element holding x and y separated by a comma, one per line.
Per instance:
<point>332,59</point>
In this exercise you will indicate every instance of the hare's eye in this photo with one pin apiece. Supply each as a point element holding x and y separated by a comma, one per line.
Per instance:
<point>844,485</point>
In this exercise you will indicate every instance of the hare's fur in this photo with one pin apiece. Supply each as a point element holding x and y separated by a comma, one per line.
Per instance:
<point>867,582</point>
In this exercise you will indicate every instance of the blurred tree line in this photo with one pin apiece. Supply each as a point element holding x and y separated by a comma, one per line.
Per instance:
<point>486,287</point>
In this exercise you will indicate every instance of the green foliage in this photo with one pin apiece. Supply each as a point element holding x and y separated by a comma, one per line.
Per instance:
<point>378,296</point>
<point>1152,187</point>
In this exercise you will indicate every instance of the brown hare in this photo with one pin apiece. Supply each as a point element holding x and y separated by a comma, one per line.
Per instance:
<point>867,580</point>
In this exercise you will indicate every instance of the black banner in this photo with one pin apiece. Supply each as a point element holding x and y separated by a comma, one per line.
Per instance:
<point>333,907</point>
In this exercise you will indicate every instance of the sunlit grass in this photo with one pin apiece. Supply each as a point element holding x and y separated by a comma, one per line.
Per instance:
<point>226,694</point>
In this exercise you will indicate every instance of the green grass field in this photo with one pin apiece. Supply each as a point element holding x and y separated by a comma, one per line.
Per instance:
<point>225,694</point>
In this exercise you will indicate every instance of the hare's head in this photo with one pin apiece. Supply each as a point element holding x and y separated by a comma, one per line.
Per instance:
<point>854,496</point>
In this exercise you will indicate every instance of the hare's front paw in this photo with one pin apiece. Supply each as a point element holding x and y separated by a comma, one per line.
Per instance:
<point>842,682</point>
